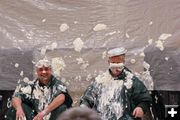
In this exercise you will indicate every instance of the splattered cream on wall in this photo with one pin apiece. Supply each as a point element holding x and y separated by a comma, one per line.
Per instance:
<point>78,44</point>
<point>84,64</point>
<point>58,64</point>
<point>63,27</point>
<point>160,42</point>
<point>100,27</point>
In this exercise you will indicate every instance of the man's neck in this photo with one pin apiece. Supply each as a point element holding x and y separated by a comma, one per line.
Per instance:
<point>115,76</point>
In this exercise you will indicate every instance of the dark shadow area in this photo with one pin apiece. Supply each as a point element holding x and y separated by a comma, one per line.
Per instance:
<point>157,111</point>
<point>5,95</point>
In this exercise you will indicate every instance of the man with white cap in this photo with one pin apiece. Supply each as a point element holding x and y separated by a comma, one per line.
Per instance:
<point>42,99</point>
<point>117,94</point>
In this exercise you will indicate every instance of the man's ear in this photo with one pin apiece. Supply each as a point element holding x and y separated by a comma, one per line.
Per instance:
<point>124,58</point>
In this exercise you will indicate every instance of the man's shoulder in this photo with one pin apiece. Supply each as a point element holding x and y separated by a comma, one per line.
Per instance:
<point>58,83</point>
<point>56,80</point>
<point>134,77</point>
<point>136,80</point>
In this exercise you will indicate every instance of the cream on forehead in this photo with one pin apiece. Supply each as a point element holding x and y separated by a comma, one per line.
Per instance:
<point>42,63</point>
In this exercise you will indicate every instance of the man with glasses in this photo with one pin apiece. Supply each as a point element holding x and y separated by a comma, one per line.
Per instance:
<point>42,99</point>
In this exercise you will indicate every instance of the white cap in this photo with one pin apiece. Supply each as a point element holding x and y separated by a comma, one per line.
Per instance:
<point>43,62</point>
<point>116,52</point>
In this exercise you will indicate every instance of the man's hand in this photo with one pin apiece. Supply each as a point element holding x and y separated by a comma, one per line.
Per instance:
<point>53,105</point>
<point>40,115</point>
<point>20,114</point>
<point>138,112</point>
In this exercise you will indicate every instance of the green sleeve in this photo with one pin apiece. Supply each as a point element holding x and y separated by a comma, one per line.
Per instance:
<point>89,96</point>
<point>23,92</point>
<point>141,96</point>
<point>144,105</point>
<point>61,89</point>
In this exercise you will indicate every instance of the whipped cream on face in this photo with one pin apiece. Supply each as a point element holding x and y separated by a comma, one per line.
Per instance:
<point>119,66</point>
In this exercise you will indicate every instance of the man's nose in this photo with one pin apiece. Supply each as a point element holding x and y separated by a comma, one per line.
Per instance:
<point>44,71</point>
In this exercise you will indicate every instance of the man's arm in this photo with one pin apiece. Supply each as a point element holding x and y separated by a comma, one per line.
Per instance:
<point>53,105</point>
<point>141,97</point>
<point>17,104</point>
<point>88,99</point>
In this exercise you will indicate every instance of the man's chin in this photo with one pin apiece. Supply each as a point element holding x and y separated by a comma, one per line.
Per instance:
<point>116,73</point>
<point>44,79</point>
